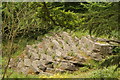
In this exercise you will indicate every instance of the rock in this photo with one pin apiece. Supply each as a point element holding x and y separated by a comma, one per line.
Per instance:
<point>76,39</point>
<point>49,58</point>
<point>77,63</point>
<point>87,44</point>
<point>42,61</point>
<point>81,58</point>
<point>55,65</point>
<point>35,56</point>
<point>46,57</point>
<point>40,48</point>
<point>45,73</point>
<point>20,64</point>
<point>27,62</point>
<point>60,71</point>
<point>32,53</point>
<point>68,58</point>
<point>58,53</point>
<point>42,67</point>
<point>43,57</point>
<point>64,45</point>
<point>50,66</point>
<point>56,44</point>
<point>35,64</point>
<point>24,70</point>
<point>50,51</point>
<point>12,63</point>
<point>96,56</point>
<point>103,48</point>
<point>94,49</point>
<point>70,42</point>
<point>50,70</point>
<point>67,66</point>
<point>48,62</point>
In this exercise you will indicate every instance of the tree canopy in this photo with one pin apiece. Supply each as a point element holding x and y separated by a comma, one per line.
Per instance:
<point>99,18</point>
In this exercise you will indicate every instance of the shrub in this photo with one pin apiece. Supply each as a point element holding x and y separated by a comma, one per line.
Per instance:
<point>105,73</point>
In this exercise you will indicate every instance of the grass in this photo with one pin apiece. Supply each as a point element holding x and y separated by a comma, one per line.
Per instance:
<point>79,34</point>
<point>83,72</point>
<point>88,73</point>
<point>106,73</point>
<point>13,74</point>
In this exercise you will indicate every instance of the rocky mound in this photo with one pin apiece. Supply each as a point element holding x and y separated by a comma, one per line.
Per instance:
<point>57,53</point>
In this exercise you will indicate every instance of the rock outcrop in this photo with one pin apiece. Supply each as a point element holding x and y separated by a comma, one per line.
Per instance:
<point>58,53</point>
<point>94,49</point>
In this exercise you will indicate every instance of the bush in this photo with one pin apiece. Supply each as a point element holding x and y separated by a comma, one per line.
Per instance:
<point>106,73</point>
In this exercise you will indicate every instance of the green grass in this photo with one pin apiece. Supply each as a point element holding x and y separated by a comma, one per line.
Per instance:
<point>106,73</point>
<point>13,74</point>
<point>88,73</point>
<point>81,73</point>
<point>79,34</point>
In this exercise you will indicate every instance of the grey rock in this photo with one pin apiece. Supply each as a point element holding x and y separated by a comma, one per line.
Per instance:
<point>50,70</point>
<point>68,58</point>
<point>64,45</point>
<point>32,52</point>
<point>70,42</point>
<point>40,48</point>
<point>96,56</point>
<point>77,63</point>
<point>12,63</point>
<point>58,53</point>
<point>35,64</point>
<point>56,45</point>
<point>81,58</point>
<point>20,64</point>
<point>24,70</point>
<point>94,49</point>
<point>67,66</point>
<point>103,48</point>
<point>55,64</point>
<point>27,62</point>
<point>50,51</point>
<point>50,66</point>
<point>42,67</point>
<point>46,57</point>
<point>60,71</point>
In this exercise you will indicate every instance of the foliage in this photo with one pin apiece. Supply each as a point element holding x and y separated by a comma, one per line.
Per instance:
<point>116,50</point>
<point>84,69</point>
<point>13,74</point>
<point>25,22</point>
<point>102,20</point>
<point>29,18</point>
<point>112,60</point>
<point>105,73</point>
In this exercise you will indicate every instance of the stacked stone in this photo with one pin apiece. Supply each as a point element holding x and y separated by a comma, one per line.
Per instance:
<point>94,49</point>
<point>57,53</point>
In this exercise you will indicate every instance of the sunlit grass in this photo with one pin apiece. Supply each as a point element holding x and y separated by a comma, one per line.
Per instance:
<point>79,34</point>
